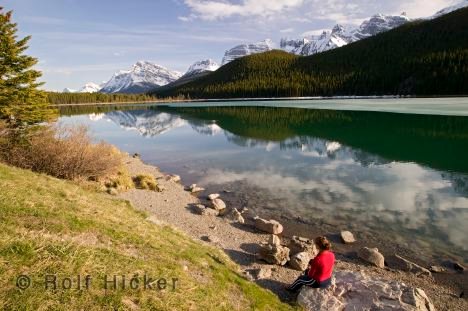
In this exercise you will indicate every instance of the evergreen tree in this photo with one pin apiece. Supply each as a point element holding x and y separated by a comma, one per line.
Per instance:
<point>21,103</point>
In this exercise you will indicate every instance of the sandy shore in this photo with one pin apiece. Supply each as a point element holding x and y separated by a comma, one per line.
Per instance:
<point>241,241</point>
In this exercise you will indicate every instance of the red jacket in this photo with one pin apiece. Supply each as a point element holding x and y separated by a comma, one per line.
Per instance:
<point>321,267</point>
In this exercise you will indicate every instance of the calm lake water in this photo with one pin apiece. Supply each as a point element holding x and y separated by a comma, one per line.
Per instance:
<point>396,177</point>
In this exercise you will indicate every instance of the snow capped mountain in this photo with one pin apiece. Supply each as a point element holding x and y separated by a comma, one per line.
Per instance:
<point>144,76</point>
<point>450,9</point>
<point>147,123</point>
<point>247,49</point>
<point>68,90</point>
<point>90,87</point>
<point>202,66</point>
<point>339,36</point>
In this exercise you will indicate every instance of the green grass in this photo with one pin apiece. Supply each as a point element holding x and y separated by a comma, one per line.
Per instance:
<point>50,226</point>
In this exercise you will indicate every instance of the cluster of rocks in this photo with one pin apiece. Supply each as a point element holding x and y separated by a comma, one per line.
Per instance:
<point>216,207</point>
<point>358,291</point>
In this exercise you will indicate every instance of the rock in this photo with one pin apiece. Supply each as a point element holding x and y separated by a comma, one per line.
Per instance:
<point>194,188</point>
<point>173,178</point>
<point>274,254</point>
<point>437,269</point>
<point>299,245</point>
<point>210,238</point>
<point>213,196</point>
<point>300,261</point>
<point>358,291</point>
<point>160,188</point>
<point>274,240</point>
<point>202,210</point>
<point>458,267</point>
<point>269,226</point>
<point>112,191</point>
<point>347,237</point>
<point>218,204</point>
<point>136,155</point>
<point>236,216</point>
<point>372,256</point>
<point>399,263</point>
<point>262,273</point>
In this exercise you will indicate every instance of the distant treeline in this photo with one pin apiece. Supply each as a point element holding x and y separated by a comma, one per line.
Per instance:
<point>89,98</point>
<point>419,58</point>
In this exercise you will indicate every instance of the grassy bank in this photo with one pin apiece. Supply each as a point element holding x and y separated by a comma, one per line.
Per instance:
<point>55,228</point>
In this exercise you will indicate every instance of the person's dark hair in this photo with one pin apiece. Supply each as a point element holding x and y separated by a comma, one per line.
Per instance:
<point>322,243</point>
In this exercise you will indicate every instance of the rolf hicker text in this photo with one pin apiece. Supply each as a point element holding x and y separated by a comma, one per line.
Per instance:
<point>109,282</point>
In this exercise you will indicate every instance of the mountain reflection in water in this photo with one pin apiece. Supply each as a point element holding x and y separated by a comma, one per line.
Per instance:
<point>397,174</point>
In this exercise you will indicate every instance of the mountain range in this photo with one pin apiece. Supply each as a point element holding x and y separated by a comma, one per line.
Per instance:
<point>422,57</point>
<point>145,76</point>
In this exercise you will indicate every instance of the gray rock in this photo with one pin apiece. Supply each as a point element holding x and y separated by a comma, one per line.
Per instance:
<point>194,188</point>
<point>300,261</point>
<point>269,226</point>
<point>399,263</point>
<point>173,178</point>
<point>236,216</point>
<point>299,245</point>
<point>358,291</point>
<point>202,210</point>
<point>262,273</point>
<point>347,237</point>
<point>213,196</point>
<point>274,254</point>
<point>437,269</point>
<point>372,256</point>
<point>218,204</point>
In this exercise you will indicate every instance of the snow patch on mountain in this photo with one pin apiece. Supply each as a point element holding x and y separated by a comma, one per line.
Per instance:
<point>247,49</point>
<point>144,76</point>
<point>68,90</point>
<point>450,9</point>
<point>202,66</point>
<point>90,87</point>
<point>339,36</point>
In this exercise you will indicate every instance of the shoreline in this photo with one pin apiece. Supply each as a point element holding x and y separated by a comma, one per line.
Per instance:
<point>266,99</point>
<point>241,242</point>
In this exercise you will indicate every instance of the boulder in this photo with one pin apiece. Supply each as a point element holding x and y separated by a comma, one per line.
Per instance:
<point>236,216</point>
<point>194,188</point>
<point>300,261</point>
<point>347,237</point>
<point>458,267</point>
<point>269,226</point>
<point>173,178</point>
<point>210,238</point>
<point>399,263</point>
<point>299,245</point>
<point>262,273</point>
<point>274,254</point>
<point>213,196</point>
<point>218,204</point>
<point>437,269</point>
<point>358,291</point>
<point>372,256</point>
<point>202,210</point>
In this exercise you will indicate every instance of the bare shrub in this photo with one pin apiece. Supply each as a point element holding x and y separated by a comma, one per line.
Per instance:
<point>63,152</point>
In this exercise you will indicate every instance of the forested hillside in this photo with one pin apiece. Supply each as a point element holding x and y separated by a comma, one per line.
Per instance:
<point>419,58</point>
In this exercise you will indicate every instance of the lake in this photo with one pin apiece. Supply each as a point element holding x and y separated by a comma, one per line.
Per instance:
<point>393,171</point>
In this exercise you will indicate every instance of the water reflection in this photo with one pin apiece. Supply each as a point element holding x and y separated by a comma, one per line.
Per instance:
<point>388,173</point>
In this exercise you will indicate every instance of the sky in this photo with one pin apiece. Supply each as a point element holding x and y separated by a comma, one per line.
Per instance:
<point>80,41</point>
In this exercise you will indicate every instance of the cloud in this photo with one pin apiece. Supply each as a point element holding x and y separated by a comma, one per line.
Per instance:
<point>287,30</point>
<point>217,9</point>
<point>424,8</point>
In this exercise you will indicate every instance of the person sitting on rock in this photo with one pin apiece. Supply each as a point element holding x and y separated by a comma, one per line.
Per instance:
<point>319,272</point>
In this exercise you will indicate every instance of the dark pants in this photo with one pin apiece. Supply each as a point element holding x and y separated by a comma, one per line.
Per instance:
<point>305,280</point>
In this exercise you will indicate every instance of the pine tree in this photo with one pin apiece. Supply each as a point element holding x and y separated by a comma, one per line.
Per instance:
<point>21,102</point>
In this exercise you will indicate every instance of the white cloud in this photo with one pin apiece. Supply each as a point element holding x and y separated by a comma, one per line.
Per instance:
<point>287,30</point>
<point>424,8</point>
<point>218,9</point>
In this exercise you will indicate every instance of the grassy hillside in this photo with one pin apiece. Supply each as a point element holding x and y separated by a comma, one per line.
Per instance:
<point>419,58</point>
<point>54,227</point>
